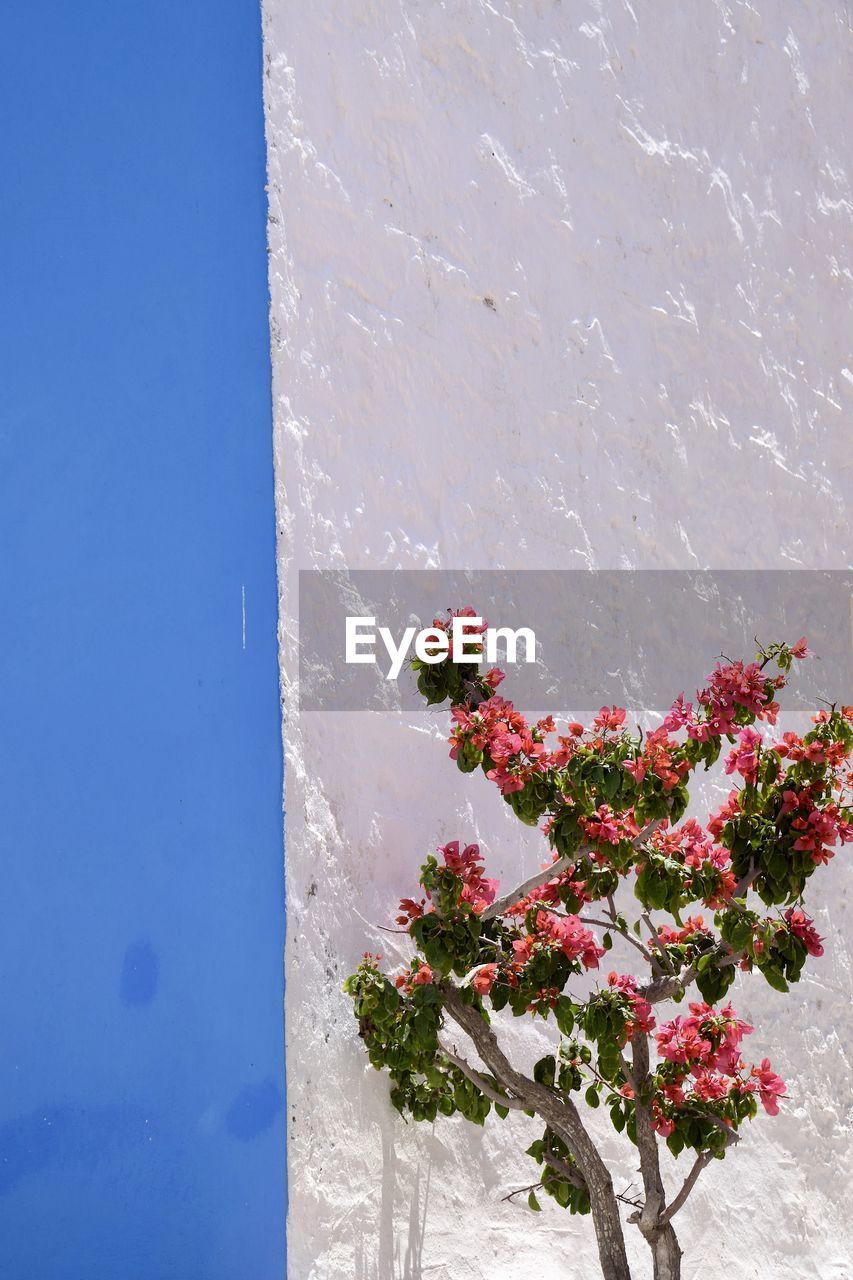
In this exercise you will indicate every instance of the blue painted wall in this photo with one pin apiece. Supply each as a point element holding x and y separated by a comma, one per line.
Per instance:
<point>141,1068</point>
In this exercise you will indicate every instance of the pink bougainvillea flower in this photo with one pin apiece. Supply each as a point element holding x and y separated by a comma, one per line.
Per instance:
<point>481,895</point>
<point>641,1017</point>
<point>801,649</point>
<point>770,1087</point>
<point>610,718</point>
<point>724,814</point>
<point>727,1059</point>
<point>636,768</point>
<point>802,927</point>
<point>420,977</point>
<point>679,715</point>
<point>410,910</point>
<point>484,979</point>
<point>604,826</point>
<point>660,757</point>
<point>681,1041</point>
<point>692,925</point>
<point>576,941</point>
<point>734,685</point>
<point>663,1126</point>
<point>708,1085</point>
<point>477,890</point>
<point>744,758</point>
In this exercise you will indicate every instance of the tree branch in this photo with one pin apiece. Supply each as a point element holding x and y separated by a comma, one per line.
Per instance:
<point>701,1161</point>
<point>647,1145</point>
<point>676,984</point>
<point>623,1196</point>
<point>666,988</point>
<point>503,904</point>
<point>514,1104</point>
<point>746,880</point>
<point>560,1115</point>
<point>731,1136</point>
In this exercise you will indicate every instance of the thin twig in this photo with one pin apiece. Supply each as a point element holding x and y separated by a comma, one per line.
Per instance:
<point>635,942</point>
<point>635,1203</point>
<point>565,1170</point>
<point>656,942</point>
<point>600,1078</point>
<point>534,1186</point>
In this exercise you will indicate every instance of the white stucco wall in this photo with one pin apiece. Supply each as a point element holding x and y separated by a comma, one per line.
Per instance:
<point>554,284</point>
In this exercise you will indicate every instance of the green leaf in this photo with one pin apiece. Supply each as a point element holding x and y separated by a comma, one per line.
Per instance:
<point>534,1203</point>
<point>612,783</point>
<point>545,1069</point>
<point>564,1013</point>
<point>775,979</point>
<point>591,1096</point>
<point>675,1142</point>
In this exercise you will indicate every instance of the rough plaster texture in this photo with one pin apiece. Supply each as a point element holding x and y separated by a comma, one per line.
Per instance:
<point>554,284</point>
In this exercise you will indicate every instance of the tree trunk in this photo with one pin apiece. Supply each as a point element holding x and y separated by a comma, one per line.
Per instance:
<point>666,1255</point>
<point>608,1229</point>
<point>563,1118</point>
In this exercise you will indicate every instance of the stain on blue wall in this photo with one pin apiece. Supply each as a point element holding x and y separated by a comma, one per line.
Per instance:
<point>141,1075</point>
<point>254,1110</point>
<point>139,973</point>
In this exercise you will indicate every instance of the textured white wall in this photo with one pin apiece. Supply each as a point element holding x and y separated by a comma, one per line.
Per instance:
<point>554,284</point>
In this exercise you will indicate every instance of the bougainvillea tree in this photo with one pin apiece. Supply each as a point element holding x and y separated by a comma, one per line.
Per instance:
<point>688,904</point>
